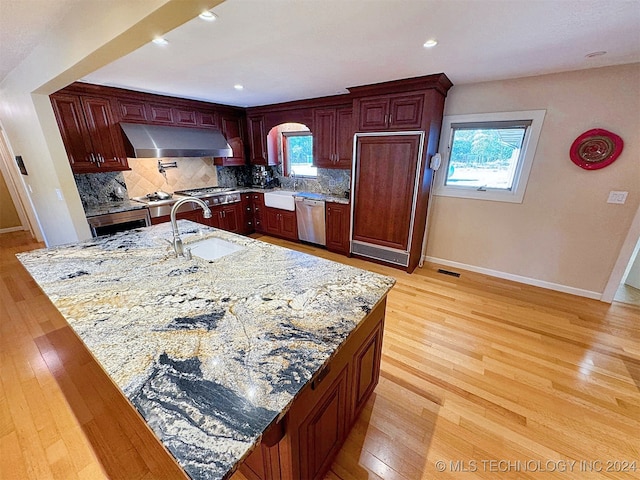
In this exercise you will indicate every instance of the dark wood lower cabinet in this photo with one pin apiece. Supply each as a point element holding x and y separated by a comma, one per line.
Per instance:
<point>338,217</point>
<point>280,223</point>
<point>319,420</point>
<point>258,212</point>
<point>321,434</point>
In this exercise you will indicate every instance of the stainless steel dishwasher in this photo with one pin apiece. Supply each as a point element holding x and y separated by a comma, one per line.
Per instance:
<point>311,223</point>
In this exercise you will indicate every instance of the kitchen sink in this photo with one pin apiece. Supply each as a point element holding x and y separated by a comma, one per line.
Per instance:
<point>282,199</point>
<point>212,248</point>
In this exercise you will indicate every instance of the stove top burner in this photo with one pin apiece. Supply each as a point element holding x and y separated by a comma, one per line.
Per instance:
<point>194,192</point>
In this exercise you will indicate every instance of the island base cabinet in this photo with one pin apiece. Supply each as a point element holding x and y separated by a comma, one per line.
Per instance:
<point>319,420</point>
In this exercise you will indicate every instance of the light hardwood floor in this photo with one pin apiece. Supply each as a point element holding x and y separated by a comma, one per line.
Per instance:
<point>480,373</point>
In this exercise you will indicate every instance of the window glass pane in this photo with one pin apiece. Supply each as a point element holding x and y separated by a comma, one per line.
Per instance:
<point>299,153</point>
<point>484,157</point>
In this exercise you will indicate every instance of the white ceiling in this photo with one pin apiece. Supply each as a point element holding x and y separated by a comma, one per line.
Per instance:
<point>283,50</point>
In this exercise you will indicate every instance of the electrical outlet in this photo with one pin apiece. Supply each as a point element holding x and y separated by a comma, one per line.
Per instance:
<point>617,197</point>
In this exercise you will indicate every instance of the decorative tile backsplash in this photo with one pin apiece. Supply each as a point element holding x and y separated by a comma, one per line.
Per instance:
<point>144,177</point>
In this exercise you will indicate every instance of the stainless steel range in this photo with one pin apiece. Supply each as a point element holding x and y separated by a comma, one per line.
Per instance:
<point>211,196</point>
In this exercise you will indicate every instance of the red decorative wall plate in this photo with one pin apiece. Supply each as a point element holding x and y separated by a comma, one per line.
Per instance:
<point>596,149</point>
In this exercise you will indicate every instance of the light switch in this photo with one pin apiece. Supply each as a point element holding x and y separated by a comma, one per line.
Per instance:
<point>617,197</point>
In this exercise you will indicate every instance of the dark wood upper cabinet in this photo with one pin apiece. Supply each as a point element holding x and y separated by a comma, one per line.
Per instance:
<point>89,132</point>
<point>233,131</point>
<point>207,119</point>
<point>160,114</point>
<point>258,141</point>
<point>344,137</point>
<point>333,137</point>
<point>390,112</point>
<point>324,137</point>
<point>73,128</point>
<point>184,117</point>
<point>132,111</point>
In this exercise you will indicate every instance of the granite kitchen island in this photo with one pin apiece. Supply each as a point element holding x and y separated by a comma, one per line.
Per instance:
<point>263,356</point>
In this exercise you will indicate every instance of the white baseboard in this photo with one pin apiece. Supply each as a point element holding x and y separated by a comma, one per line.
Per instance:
<point>517,278</point>
<point>12,229</point>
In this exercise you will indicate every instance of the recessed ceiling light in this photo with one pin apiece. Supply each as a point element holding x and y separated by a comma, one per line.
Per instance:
<point>595,54</point>
<point>430,43</point>
<point>237,86</point>
<point>160,41</point>
<point>208,16</point>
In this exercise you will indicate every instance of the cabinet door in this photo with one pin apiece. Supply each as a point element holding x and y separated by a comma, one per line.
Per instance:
<point>338,227</point>
<point>257,140</point>
<point>365,370</point>
<point>207,119</point>
<point>184,117</point>
<point>324,137</point>
<point>160,114</point>
<point>344,137</point>
<point>271,218</point>
<point>232,131</point>
<point>374,113</point>
<point>230,217</point>
<point>132,111</point>
<point>405,112</point>
<point>105,136</point>
<point>385,177</point>
<point>288,225</point>
<point>321,434</point>
<point>73,128</point>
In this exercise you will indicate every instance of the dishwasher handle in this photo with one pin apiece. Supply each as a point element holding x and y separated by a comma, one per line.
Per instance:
<point>309,202</point>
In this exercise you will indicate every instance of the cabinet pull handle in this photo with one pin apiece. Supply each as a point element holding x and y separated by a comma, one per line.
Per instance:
<point>92,158</point>
<point>321,376</point>
<point>390,119</point>
<point>386,119</point>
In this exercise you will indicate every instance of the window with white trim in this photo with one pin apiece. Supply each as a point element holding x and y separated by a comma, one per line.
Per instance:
<point>488,156</point>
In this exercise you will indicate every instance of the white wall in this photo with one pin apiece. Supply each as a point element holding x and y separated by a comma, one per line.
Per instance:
<point>564,233</point>
<point>91,37</point>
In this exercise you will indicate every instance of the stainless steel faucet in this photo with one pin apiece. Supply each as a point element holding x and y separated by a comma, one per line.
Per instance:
<point>177,241</point>
<point>295,180</point>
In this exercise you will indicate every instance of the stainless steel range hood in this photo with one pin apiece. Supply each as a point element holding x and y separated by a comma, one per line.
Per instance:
<point>157,141</point>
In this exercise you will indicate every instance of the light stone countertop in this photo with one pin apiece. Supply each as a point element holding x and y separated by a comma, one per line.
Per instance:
<point>115,207</point>
<point>209,352</point>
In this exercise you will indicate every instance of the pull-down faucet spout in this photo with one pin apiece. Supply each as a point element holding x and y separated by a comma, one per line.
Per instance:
<point>177,241</point>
